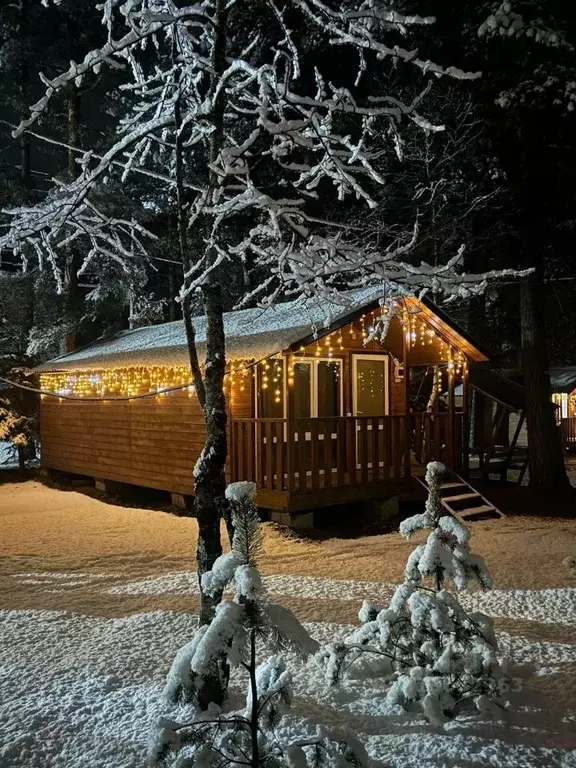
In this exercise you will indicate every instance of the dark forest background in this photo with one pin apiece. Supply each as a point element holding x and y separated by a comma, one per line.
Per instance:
<point>500,180</point>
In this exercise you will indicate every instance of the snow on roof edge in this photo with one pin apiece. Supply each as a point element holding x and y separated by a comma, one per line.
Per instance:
<point>250,333</point>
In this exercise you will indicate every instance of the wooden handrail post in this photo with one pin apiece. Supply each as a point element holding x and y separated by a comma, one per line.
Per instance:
<point>450,432</point>
<point>290,445</point>
<point>465,420</point>
<point>407,416</point>
<point>231,449</point>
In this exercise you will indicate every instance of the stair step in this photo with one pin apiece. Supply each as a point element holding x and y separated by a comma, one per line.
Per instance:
<point>467,496</point>
<point>473,511</point>
<point>461,497</point>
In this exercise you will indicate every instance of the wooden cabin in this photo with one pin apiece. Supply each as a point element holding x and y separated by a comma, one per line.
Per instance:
<point>563,382</point>
<point>324,406</point>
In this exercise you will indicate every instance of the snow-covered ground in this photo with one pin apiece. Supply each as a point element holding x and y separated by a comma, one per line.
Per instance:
<point>95,600</point>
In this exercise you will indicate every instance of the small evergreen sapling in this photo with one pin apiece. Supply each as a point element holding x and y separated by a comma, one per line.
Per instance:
<point>442,659</point>
<point>246,736</point>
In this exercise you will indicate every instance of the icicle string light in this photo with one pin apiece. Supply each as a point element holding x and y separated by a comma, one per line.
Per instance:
<point>370,326</point>
<point>124,382</point>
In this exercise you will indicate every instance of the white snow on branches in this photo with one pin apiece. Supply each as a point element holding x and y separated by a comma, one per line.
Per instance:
<point>443,659</point>
<point>241,491</point>
<point>208,135</point>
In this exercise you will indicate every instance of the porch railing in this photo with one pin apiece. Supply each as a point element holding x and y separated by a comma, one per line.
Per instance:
<point>568,431</point>
<point>307,454</point>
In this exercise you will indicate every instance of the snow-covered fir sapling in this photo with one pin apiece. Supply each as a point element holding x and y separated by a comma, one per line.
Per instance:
<point>241,627</point>
<point>442,659</point>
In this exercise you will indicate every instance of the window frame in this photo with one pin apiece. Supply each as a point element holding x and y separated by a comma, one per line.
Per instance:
<point>313,362</point>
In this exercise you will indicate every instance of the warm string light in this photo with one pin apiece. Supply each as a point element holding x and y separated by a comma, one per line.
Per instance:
<point>137,380</point>
<point>419,333</point>
<point>126,382</point>
<point>265,366</point>
<point>116,382</point>
<point>291,370</point>
<point>277,373</point>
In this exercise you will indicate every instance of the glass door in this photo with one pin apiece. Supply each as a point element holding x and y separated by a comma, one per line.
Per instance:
<point>316,393</point>
<point>370,387</point>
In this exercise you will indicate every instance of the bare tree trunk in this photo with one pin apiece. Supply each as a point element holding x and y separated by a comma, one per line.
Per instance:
<point>74,259</point>
<point>25,167</point>
<point>209,473</point>
<point>209,476</point>
<point>210,480</point>
<point>545,455</point>
<point>73,105</point>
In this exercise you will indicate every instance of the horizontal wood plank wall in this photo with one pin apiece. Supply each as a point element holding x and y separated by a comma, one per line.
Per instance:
<point>397,404</point>
<point>153,442</point>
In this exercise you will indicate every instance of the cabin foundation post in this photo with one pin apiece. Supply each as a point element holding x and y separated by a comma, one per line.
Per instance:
<point>298,520</point>
<point>114,488</point>
<point>183,501</point>
<point>62,477</point>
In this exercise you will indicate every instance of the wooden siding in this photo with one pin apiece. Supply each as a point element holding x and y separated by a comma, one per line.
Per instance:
<point>153,442</point>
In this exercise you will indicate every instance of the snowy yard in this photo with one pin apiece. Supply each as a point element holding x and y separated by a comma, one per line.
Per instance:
<point>96,599</point>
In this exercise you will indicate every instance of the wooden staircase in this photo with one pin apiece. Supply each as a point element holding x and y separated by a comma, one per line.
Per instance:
<point>463,501</point>
<point>499,459</point>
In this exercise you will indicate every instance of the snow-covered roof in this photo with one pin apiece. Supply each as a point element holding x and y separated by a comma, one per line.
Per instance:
<point>563,379</point>
<point>250,333</point>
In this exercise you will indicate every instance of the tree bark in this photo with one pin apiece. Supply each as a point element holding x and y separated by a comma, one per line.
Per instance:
<point>74,259</point>
<point>25,167</point>
<point>545,454</point>
<point>209,472</point>
<point>73,104</point>
<point>210,482</point>
<point>209,475</point>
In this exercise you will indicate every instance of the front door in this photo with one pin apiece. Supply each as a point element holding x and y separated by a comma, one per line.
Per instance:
<point>316,403</point>
<point>369,398</point>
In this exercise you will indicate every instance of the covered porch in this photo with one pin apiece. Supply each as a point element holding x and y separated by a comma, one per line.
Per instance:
<point>351,416</point>
<point>301,464</point>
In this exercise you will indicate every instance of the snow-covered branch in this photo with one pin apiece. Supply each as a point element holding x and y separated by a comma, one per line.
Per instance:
<point>282,148</point>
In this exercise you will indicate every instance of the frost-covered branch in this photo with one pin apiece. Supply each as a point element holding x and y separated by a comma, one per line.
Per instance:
<point>273,122</point>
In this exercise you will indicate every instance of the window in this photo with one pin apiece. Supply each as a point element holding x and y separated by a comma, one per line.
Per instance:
<point>561,399</point>
<point>301,392</point>
<point>328,375</point>
<point>270,389</point>
<point>317,389</point>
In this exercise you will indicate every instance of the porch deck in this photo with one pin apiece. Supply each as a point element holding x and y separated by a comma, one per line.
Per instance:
<point>301,464</point>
